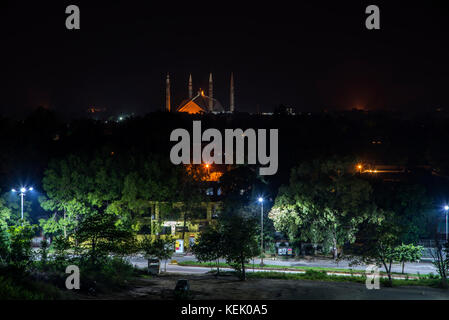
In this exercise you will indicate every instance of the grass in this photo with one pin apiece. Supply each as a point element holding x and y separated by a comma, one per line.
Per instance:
<point>292,268</point>
<point>323,276</point>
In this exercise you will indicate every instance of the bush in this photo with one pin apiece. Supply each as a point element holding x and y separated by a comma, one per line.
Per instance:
<point>5,245</point>
<point>20,252</point>
<point>111,273</point>
<point>9,290</point>
<point>18,284</point>
<point>316,275</point>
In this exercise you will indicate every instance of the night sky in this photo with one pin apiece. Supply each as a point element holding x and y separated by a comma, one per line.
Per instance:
<point>309,56</point>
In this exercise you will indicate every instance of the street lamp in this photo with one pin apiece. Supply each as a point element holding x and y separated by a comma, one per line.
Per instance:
<point>446,209</point>
<point>23,191</point>
<point>207,165</point>
<point>261,229</point>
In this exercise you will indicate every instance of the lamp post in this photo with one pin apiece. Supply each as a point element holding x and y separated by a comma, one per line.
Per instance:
<point>22,193</point>
<point>261,230</point>
<point>446,209</point>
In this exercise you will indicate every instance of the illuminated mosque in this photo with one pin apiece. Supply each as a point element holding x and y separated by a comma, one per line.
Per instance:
<point>200,103</point>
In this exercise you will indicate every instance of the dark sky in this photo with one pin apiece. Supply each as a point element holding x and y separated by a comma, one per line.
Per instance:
<point>308,54</point>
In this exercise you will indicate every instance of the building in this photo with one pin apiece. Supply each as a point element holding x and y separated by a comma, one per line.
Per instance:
<point>200,103</point>
<point>167,218</point>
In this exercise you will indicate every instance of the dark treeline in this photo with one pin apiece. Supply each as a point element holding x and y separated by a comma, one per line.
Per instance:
<point>418,142</point>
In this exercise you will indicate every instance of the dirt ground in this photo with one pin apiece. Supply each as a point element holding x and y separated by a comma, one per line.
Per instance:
<point>207,287</point>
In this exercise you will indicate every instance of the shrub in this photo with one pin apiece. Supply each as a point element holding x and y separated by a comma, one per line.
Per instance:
<point>5,245</point>
<point>316,275</point>
<point>111,273</point>
<point>20,248</point>
<point>10,290</point>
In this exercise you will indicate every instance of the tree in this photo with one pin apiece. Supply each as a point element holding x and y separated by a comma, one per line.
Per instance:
<point>241,188</point>
<point>161,248</point>
<point>11,203</point>
<point>440,255</point>
<point>412,208</point>
<point>192,193</point>
<point>4,234</point>
<point>209,246</point>
<point>61,247</point>
<point>407,253</point>
<point>377,245</point>
<point>239,240</point>
<point>325,202</point>
<point>43,251</point>
<point>66,182</point>
<point>101,236</point>
<point>122,185</point>
<point>20,253</point>
<point>5,213</point>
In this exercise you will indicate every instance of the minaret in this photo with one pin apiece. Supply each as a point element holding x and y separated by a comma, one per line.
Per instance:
<point>211,94</point>
<point>167,93</point>
<point>190,87</point>
<point>231,98</point>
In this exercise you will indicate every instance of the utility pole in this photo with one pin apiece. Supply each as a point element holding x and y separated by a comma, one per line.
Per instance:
<point>22,194</point>
<point>261,230</point>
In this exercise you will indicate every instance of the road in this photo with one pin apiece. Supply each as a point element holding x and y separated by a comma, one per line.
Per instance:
<point>414,268</point>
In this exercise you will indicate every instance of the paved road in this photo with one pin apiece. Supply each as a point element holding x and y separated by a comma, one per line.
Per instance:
<point>422,267</point>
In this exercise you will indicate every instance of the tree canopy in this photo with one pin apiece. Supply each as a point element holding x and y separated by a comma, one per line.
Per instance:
<point>325,202</point>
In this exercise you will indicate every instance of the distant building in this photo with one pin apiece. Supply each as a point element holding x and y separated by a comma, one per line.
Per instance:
<point>200,103</point>
<point>97,113</point>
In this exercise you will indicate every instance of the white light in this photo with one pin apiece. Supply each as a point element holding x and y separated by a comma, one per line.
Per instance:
<point>30,189</point>
<point>260,199</point>
<point>13,190</point>
<point>23,190</point>
<point>446,208</point>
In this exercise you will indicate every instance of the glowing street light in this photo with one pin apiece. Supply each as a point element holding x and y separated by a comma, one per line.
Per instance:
<point>23,191</point>
<point>446,209</point>
<point>207,166</point>
<point>261,229</point>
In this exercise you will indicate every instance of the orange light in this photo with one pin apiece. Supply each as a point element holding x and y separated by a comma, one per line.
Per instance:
<point>207,165</point>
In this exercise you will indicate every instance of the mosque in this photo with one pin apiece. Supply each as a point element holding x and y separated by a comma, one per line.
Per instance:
<point>200,103</point>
